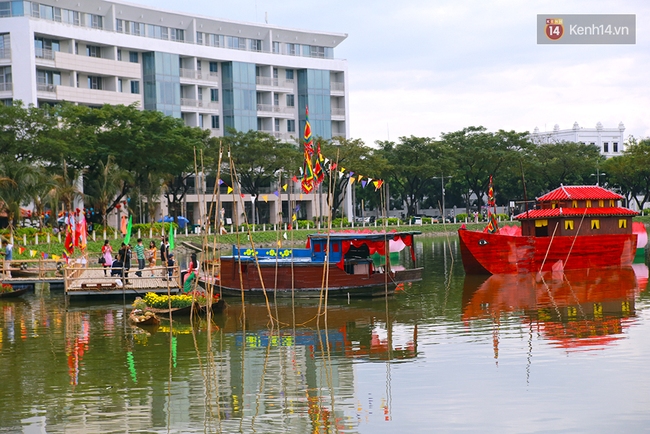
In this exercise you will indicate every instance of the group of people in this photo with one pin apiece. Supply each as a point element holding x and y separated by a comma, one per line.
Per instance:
<point>120,264</point>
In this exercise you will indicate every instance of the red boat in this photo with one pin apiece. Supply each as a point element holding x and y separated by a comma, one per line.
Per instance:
<point>572,227</point>
<point>348,271</point>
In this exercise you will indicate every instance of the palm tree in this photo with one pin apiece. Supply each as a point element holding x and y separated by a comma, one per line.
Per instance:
<point>65,187</point>
<point>17,180</point>
<point>105,186</point>
<point>43,193</point>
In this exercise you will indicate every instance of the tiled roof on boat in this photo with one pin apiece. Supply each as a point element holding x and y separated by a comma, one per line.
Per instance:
<point>579,192</point>
<point>575,212</point>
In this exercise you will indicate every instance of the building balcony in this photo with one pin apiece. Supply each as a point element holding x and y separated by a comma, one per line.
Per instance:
<point>270,108</point>
<point>274,82</point>
<point>189,102</point>
<point>95,96</point>
<point>42,87</point>
<point>5,53</point>
<point>193,74</point>
<point>283,136</point>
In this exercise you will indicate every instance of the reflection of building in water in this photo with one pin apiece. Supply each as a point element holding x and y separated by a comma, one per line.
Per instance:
<point>575,309</point>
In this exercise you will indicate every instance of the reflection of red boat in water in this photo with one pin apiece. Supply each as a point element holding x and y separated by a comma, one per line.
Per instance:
<point>572,227</point>
<point>576,308</point>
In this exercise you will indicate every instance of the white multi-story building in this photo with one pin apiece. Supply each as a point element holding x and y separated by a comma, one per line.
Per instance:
<point>610,141</point>
<point>214,74</point>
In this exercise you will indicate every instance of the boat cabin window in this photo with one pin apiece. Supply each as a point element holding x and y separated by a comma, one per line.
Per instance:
<point>316,247</point>
<point>568,225</point>
<point>335,247</point>
<point>553,204</point>
<point>622,224</point>
<point>601,203</point>
<point>595,224</point>
<point>611,203</point>
<point>588,205</point>
<point>541,228</point>
<point>574,204</point>
<point>362,251</point>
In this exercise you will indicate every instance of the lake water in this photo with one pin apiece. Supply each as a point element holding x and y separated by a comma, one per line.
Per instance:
<point>520,354</point>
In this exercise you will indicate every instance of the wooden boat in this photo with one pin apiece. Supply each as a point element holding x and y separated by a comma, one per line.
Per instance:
<point>140,318</point>
<point>572,227</point>
<point>16,292</point>
<point>350,268</point>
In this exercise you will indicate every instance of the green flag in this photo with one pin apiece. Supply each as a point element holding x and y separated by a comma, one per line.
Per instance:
<point>171,236</point>
<point>127,237</point>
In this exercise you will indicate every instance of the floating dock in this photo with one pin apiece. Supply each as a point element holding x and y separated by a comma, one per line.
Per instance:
<point>91,281</point>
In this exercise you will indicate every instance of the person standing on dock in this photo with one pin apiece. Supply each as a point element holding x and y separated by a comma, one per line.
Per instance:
<point>8,254</point>
<point>107,252</point>
<point>164,254</point>
<point>151,253</point>
<point>139,254</point>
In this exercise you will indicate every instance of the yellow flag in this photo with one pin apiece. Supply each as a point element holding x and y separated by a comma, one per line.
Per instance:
<point>56,257</point>
<point>229,189</point>
<point>284,187</point>
<point>32,253</point>
<point>359,178</point>
<point>352,180</point>
<point>266,198</point>
<point>294,218</point>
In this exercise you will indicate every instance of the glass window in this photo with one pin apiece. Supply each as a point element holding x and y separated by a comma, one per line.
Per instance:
<point>606,147</point>
<point>277,125</point>
<point>276,99</point>
<point>276,47</point>
<point>5,9</point>
<point>119,25</point>
<point>133,56</point>
<point>291,100</point>
<point>95,82</point>
<point>200,121</point>
<point>199,38</point>
<point>215,122</point>
<point>119,85</point>
<point>214,95</point>
<point>255,45</point>
<point>214,66</point>
<point>135,86</point>
<point>615,146</point>
<point>289,74</point>
<point>93,51</point>
<point>291,125</point>
<point>119,54</point>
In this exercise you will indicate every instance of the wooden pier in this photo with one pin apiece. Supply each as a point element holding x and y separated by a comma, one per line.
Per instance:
<point>90,281</point>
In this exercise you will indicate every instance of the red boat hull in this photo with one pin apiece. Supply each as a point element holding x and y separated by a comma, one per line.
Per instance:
<point>307,279</point>
<point>485,253</point>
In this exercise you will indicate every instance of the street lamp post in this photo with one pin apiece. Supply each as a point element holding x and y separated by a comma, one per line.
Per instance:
<point>442,190</point>
<point>597,174</point>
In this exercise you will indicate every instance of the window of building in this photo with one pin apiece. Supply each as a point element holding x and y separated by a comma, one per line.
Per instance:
<point>553,204</point>
<point>214,95</point>
<point>588,204</point>
<point>601,203</point>
<point>611,203</point>
<point>615,146</point>
<point>119,54</point>
<point>135,86</point>
<point>574,204</point>
<point>256,45</point>
<point>215,122</point>
<point>293,49</point>
<point>176,35</point>
<point>595,224</point>
<point>93,51</point>
<point>137,29</point>
<point>95,82</point>
<point>260,124</point>
<point>276,47</point>
<point>199,38</point>
<point>276,99</point>
<point>541,223</point>
<point>119,85</point>
<point>200,93</point>
<point>232,42</point>
<point>289,74</point>
<point>568,225</point>
<point>606,147</point>
<point>119,25</point>
<point>291,125</point>
<point>277,125</point>
<point>198,65</point>
<point>133,56</point>
<point>275,73</point>
<point>94,21</point>
<point>622,223</point>
<point>317,51</point>
<point>214,68</point>
<point>291,100</point>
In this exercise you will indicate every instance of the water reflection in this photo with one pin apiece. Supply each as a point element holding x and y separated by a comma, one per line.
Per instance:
<point>575,309</point>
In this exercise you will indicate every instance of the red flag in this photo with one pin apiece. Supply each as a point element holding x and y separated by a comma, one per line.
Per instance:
<point>318,172</point>
<point>307,182</point>
<point>69,243</point>
<point>309,143</point>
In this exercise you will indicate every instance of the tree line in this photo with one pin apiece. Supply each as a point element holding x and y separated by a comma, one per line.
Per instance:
<point>128,157</point>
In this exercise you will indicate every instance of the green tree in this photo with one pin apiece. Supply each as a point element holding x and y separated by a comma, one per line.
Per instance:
<point>17,180</point>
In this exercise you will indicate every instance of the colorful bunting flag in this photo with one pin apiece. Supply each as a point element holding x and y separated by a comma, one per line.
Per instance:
<point>266,198</point>
<point>363,183</point>
<point>171,236</point>
<point>229,189</point>
<point>308,142</point>
<point>307,182</point>
<point>32,253</point>
<point>127,237</point>
<point>284,187</point>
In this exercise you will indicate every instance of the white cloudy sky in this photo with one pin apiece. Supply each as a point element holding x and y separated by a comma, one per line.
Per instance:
<point>422,67</point>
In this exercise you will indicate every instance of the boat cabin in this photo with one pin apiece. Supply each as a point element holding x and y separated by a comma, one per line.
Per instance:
<point>577,210</point>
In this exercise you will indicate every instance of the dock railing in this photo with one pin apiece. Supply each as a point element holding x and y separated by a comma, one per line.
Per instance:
<point>31,268</point>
